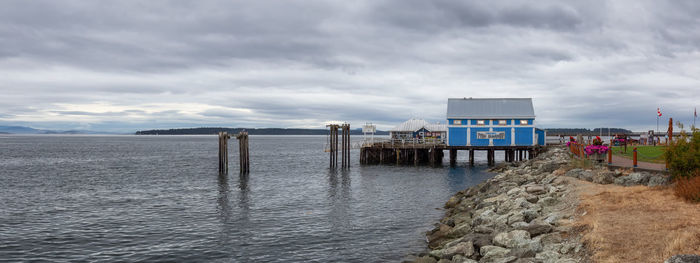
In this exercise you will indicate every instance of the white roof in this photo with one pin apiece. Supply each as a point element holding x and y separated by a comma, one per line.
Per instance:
<point>469,108</point>
<point>436,127</point>
<point>417,124</point>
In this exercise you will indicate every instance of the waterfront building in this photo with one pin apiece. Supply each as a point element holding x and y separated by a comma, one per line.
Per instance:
<point>492,122</point>
<point>420,131</point>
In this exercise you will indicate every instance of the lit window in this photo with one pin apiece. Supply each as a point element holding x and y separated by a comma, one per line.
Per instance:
<point>523,122</point>
<point>457,122</point>
<point>502,122</point>
<point>480,122</point>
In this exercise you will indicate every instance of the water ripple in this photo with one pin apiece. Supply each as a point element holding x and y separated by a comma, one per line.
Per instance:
<point>158,198</point>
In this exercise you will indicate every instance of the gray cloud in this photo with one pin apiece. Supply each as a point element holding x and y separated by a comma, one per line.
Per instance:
<point>127,65</point>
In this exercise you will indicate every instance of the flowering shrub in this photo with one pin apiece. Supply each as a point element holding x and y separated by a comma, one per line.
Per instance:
<point>568,144</point>
<point>593,149</point>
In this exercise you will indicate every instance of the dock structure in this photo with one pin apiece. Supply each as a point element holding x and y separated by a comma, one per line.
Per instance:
<point>399,153</point>
<point>487,124</point>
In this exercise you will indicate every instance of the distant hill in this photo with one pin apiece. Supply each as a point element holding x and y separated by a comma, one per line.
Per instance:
<point>28,130</point>
<point>251,131</point>
<point>19,130</point>
<point>583,131</point>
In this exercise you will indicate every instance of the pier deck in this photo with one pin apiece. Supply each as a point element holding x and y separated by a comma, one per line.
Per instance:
<point>433,153</point>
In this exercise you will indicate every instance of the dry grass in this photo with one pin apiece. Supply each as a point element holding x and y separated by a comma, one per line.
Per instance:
<point>688,188</point>
<point>637,224</point>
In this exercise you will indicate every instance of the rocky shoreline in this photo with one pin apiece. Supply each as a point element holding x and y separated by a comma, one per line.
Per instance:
<point>523,214</point>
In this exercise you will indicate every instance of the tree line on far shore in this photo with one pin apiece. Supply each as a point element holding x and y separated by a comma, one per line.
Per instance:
<point>584,131</point>
<point>251,131</point>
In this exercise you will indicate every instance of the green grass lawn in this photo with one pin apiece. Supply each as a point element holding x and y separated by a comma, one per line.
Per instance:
<point>645,153</point>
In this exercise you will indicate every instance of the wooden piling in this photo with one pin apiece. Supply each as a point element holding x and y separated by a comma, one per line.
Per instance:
<point>223,152</point>
<point>471,157</point>
<point>415,156</point>
<point>634,157</point>
<point>333,145</point>
<point>244,158</point>
<point>453,157</point>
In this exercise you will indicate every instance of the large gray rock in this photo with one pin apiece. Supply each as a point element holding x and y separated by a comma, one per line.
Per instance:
<point>548,167</point>
<point>620,180</point>
<point>491,253</point>
<point>637,179</point>
<point>516,216</point>
<point>515,238</point>
<point>538,227</point>
<point>547,256</point>
<point>586,175</point>
<point>460,230</point>
<point>659,180</point>
<point>535,189</point>
<point>547,201</point>
<point>683,259</point>
<point>462,248</point>
<point>530,214</point>
<point>574,172</point>
<point>604,177</point>
<point>454,200</point>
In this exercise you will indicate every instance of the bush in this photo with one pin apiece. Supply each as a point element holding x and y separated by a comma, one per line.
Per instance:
<point>688,188</point>
<point>683,155</point>
<point>683,158</point>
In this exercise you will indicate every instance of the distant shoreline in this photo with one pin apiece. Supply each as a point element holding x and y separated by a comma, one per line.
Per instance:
<point>260,131</point>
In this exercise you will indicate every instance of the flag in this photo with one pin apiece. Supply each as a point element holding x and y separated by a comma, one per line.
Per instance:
<point>658,111</point>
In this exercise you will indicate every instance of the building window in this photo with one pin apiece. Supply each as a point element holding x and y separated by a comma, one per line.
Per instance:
<point>480,122</point>
<point>523,122</point>
<point>502,122</point>
<point>457,122</point>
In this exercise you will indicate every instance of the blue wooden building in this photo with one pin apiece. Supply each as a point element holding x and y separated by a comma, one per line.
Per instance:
<point>492,122</point>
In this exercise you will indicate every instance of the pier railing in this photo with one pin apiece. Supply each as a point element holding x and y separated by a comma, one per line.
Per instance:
<point>411,142</point>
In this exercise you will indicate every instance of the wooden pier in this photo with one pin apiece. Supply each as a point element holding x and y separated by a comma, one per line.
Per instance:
<point>433,154</point>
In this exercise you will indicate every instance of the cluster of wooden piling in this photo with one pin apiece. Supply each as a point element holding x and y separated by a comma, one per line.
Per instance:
<point>406,155</point>
<point>345,147</point>
<point>243,152</point>
<point>243,149</point>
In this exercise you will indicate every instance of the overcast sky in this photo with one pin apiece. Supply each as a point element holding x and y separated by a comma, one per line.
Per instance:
<point>132,65</point>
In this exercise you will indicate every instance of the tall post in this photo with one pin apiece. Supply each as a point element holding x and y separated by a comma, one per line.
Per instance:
<point>453,157</point>
<point>471,157</point>
<point>670,130</point>
<point>243,152</point>
<point>346,146</point>
<point>415,156</point>
<point>333,145</point>
<point>610,156</point>
<point>634,158</point>
<point>223,152</point>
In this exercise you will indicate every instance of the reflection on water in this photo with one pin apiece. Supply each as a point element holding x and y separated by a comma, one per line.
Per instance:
<point>159,198</point>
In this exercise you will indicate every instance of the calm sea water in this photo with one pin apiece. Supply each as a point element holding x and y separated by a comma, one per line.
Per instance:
<point>160,198</point>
